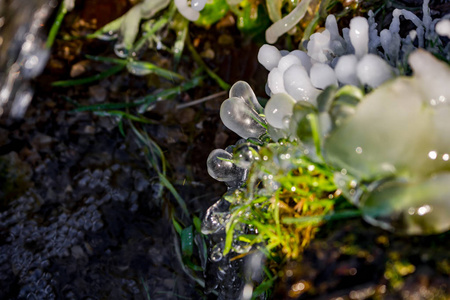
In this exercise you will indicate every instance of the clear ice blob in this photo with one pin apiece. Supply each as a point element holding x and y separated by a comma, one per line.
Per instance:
<point>242,89</point>
<point>221,167</point>
<point>373,70</point>
<point>239,117</point>
<point>216,217</point>
<point>359,36</point>
<point>245,154</point>
<point>322,76</point>
<point>275,81</point>
<point>298,84</point>
<point>278,109</point>
<point>269,56</point>
<point>346,70</point>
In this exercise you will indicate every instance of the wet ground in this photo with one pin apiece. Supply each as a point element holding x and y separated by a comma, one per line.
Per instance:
<point>83,216</point>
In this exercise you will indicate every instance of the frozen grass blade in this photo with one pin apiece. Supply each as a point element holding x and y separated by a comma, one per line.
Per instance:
<point>108,29</point>
<point>150,29</point>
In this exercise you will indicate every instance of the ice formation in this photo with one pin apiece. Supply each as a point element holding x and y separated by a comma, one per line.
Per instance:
<point>372,140</point>
<point>190,12</point>
<point>398,139</point>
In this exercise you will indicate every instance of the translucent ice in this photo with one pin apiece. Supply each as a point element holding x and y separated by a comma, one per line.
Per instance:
<point>304,58</point>
<point>221,168</point>
<point>198,5</point>
<point>241,118</point>
<point>346,70</point>
<point>298,84</point>
<point>319,46</point>
<point>322,75</point>
<point>279,109</point>
<point>359,35</point>
<point>287,61</point>
<point>242,89</point>
<point>187,11</point>
<point>269,56</point>
<point>275,81</point>
<point>373,70</point>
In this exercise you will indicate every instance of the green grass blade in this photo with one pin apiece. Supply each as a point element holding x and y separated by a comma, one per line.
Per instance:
<point>65,83</point>
<point>121,114</point>
<point>199,60</point>
<point>108,29</point>
<point>141,68</point>
<point>345,214</point>
<point>187,241</point>
<point>62,11</point>
<point>166,183</point>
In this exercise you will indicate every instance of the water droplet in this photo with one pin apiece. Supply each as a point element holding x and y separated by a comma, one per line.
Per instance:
<point>216,253</point>
<point>121,50</point>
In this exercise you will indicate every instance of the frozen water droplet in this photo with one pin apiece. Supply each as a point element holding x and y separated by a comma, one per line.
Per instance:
<point>287,61</point>
<point>304,58</point>
<point>216,253</point>
<point>275,81</point>
<point>359,35</point>
<point>108,36</point>
<point>241,118</point>
<point>242,89</point>
<point>121,50</point>
<point>269,56</point>
<point>322,76</point>
<point>373,70</point>
<point>216,217</point>
<point>221,168</point>
<point>298,84</point>
<point>245,155</point>
<point>279,107</point>
<point>137,69</point>
<point>198,5</point>
<point>346,70</point>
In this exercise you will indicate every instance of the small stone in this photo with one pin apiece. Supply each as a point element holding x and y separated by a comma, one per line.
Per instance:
<point>98,93</point>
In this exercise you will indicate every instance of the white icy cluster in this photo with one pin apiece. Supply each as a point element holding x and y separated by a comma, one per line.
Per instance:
<point>190,12</point>
<point>362,57</point>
